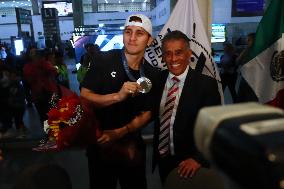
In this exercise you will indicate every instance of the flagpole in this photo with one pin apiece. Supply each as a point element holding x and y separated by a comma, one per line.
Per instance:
<point>205,7</point>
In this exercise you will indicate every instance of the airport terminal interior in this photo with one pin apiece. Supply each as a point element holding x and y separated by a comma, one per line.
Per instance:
<point>67,27</point>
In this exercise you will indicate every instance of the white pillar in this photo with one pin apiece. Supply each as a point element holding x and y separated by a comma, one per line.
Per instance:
<point>205,7</point>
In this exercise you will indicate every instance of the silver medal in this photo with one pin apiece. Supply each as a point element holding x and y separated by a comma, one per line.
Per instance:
<point>145,84</point>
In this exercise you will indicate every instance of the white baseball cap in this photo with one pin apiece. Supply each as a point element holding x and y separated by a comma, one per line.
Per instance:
<point>145,24</point>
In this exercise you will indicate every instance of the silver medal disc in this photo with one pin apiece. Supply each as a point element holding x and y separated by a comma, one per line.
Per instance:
<point>145,84</point>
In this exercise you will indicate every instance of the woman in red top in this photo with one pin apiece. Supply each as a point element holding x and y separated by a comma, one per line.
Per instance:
<point>41,76</point>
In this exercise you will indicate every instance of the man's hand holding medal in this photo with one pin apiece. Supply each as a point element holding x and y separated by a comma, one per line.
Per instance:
<point>131,88</point>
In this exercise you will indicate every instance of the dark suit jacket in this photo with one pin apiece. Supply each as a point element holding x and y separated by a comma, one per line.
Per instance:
<point>198,91</point>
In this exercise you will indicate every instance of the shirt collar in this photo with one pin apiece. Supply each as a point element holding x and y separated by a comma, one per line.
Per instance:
<point>181,77</point>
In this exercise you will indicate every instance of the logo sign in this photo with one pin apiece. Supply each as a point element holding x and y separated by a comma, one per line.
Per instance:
<point>277,66</point>
<point>199,54</point>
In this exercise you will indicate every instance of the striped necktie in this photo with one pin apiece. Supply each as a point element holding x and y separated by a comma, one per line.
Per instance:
<point>165,120</point>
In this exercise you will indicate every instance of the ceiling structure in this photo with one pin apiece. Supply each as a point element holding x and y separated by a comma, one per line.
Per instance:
<point>27,3</point>
<point>14,3</point>
<point>121,1</point>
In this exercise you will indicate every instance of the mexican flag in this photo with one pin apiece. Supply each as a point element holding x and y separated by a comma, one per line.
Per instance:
<point>264,70</point>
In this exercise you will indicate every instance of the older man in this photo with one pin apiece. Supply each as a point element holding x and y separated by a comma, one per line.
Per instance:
<point>183,93</point>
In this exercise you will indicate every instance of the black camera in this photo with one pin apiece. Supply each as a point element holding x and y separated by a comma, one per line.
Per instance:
<point>245,142</point>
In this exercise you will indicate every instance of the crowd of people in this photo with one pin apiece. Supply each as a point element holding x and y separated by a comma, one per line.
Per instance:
<point>123,106</point>
<point>28,80</point>
<point>230,63</point>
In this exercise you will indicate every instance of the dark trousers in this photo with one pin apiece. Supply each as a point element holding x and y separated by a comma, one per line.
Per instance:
<point>42,105</point>
<point>6,122</point>
<point>27,91</point>
<point>18,114</point>
<point>6,117</point>
<point>166,165</point>
<point>245,92</point>
<point>229,80</point>
<point>110,165</point>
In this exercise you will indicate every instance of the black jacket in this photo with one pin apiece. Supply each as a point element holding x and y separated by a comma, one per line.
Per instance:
<point>198,91</point>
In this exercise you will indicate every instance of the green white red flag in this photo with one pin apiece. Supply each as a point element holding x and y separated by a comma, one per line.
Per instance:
<point>264,70</point>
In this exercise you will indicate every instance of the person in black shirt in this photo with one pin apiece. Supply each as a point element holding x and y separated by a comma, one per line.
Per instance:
<point>87,60</point>
<point>228,72</point>
<point>121,108</point>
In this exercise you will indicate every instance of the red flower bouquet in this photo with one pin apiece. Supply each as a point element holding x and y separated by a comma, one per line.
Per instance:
<point>71,122</point>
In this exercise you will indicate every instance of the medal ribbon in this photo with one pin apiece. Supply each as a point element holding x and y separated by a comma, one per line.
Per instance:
<point>126,68</point>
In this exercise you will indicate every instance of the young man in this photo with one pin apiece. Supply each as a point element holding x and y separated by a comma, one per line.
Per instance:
<point>183,93</point>
<point>122,108</point>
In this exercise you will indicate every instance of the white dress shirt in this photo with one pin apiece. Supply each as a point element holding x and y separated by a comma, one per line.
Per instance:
<point>168,85</point>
